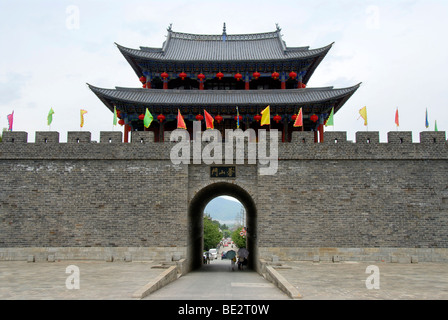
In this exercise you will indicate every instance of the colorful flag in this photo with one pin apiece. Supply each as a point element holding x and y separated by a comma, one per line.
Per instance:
<point>10,120</point>
<point>426,119</point>
<point>363,113</point>
<point>330,121</point>
<point>208,120</point>
<point>115,116</point>
<point>147,119</point>
<point>397,121</point>
<point>237,118</point>
<point>265,116</point>
<point>83,112</point>
<point>435,126</point>
<point>50,116</point>
<point>180,121</point>
<point>299,119</point>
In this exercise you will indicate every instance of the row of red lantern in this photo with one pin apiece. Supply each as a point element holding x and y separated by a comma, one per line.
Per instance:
<point>220,75</point>
<point>219,118</point>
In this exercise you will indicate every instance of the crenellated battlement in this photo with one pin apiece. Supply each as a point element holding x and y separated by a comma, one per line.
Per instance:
<point>432,145</point>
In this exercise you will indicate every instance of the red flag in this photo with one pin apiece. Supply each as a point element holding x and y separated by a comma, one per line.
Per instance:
<point>397,122</point>
<point>299,119</point>
<point>180,121</point>
<point>10,120</point>
<point>208,120</point>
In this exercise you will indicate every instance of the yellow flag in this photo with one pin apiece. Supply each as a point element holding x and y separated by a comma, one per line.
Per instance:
<point>83,112</point>
<point>363,113</point>
<point>265,116</point>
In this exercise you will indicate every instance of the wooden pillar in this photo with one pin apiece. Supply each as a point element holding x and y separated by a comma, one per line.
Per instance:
<point>285,130</point>
<point>161,129</point>
<point>127,129</point>
<point>283,81</point>
<point>165,84</point>
<point>321,133</point>
<point>246,85</point>
<point>201,85</point>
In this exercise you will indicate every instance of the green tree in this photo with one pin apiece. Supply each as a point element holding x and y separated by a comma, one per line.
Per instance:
<point>240,241</point>
<point>212,235</point>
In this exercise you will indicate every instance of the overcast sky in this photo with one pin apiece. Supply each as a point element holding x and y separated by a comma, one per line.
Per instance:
<point>50,49</point>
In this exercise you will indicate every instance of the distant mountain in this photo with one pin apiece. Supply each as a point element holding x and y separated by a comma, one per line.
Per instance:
<point>224,210</point>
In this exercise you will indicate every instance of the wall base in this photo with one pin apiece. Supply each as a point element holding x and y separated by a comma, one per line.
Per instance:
<point>93,253</point>
<point>400,255</point>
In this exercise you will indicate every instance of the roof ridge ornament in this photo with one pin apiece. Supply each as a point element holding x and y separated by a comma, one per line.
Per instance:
<point>169,29</point>
<point>224,33</point>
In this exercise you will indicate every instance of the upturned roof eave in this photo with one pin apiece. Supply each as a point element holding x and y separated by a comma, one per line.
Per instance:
<point>107,95</point>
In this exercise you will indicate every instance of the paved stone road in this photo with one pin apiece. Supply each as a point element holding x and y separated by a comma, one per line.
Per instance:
<point>347,280</point>
<point>216,281</point>
<point>119,280</point>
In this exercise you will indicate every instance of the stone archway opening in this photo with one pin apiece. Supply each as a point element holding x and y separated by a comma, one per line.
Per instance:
<point>196,214</point>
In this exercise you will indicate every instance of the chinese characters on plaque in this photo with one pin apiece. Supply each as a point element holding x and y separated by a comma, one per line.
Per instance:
<point>223,172</point>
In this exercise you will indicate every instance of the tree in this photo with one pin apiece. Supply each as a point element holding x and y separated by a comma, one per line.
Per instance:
<point>239,240</point>
<point>212,235</point>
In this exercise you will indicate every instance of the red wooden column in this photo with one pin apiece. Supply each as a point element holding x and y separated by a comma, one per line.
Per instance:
<point>201,78</point>
<point>321,132</point>
<point>283,81</point>
<point>246,82</point>
<point>127,129</point>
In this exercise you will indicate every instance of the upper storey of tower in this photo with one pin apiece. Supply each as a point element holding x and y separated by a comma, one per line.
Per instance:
<point>261,52</point>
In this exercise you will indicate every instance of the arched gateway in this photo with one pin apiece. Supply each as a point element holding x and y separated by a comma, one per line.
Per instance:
<point>195,218</point>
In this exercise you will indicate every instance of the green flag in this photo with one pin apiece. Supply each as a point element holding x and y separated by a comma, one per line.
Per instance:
<point>115,116</point>
<point>435,126</point>
<point>148,119</point>
<point>50,116</point>
<point>330,121</point>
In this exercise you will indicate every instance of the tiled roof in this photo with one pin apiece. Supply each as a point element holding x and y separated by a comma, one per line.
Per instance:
<point>245,47</point>
<point>223,97</point>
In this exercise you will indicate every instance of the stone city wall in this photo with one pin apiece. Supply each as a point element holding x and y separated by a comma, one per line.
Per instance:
<point>350,200</point>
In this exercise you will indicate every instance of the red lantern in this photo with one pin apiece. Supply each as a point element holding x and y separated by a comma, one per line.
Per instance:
<point>256,75</point>
<point>161,117</point>
<point>182,75</point>
<point>236,118</point>
<point>142,79</point>
<point>257,118</point>
<point>277,118</point>
<point>314,118</point>
<point>121,122</point>
<point>238,76</point>
<point>199,117</point>
<point>275,75</point>
<point>220,75</point>
<point>302,85</point>
<point>144,85</point>
<point>164,75</point>
<point>141,116</point>
<point>201,77</point>
<point>294,117</point>
<point>292,75</point>
<point>218,118</point>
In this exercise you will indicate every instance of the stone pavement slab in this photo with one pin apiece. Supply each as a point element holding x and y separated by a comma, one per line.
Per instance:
<point>98,280</point>
<point>216,281</point>
<point>347,280</point>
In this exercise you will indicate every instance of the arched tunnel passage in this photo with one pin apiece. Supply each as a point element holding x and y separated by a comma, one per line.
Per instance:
<point>195,220</point>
